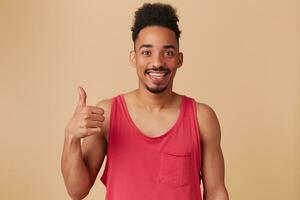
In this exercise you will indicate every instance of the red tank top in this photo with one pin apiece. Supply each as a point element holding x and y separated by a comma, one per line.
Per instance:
<point>140,167</point>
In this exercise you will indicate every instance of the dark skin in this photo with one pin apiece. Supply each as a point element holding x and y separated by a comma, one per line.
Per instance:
<point>156,48</point>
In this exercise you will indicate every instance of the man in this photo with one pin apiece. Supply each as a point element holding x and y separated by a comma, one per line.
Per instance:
<point>159,144</point>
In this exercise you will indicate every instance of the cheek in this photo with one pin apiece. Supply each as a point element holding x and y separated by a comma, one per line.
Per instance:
<point>141,62</point>
<point>172,64</point>
<point>141,65</point>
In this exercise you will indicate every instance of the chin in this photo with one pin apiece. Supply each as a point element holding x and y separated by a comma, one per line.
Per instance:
<point>156,90</point>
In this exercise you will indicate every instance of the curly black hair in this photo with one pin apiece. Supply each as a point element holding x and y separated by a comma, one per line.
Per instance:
<point>155,14</point>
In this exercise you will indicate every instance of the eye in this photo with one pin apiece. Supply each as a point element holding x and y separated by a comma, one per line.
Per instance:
<point>145,53</point>
<point>169,53</point>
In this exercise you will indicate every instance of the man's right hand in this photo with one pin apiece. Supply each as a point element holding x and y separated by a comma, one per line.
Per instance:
<point>86,121</point>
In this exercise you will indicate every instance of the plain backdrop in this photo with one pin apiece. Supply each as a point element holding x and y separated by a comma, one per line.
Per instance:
<point>240,57</point>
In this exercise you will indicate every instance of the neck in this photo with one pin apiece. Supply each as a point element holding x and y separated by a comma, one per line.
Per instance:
<point>151,101</point>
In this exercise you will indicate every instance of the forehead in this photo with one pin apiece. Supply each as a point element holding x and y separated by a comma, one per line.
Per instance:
<point>156,36</point>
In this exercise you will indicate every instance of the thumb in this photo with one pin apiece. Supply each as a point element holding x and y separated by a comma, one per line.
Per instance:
<point>82,97</point>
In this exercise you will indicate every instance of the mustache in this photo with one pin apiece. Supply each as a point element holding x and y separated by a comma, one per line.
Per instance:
<point>158,69</point>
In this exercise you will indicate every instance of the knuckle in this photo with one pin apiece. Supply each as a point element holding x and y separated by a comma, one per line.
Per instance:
<point>101,118</point>
<point>88,132</point>
<point>85,131</point>
<point>84,122</point>
<point>85,116</point>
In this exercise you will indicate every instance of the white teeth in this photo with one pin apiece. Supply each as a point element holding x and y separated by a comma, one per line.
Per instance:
<point>156,74</point>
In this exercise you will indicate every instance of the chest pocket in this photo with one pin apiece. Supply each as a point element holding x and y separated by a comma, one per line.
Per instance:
<point>175,169</point>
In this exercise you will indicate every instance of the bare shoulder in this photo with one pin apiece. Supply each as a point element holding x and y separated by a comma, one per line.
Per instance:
<point>205,111</point>
<point>208,122</point>
<point>105,104</point>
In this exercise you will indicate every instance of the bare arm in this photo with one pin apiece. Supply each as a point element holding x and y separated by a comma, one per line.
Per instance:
<point>212,157</point>
<point>78,169</point>
<point>75,173</point>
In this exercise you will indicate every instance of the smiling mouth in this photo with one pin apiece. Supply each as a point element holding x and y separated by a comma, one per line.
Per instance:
<point>157,72</point>
<point>157,76</point>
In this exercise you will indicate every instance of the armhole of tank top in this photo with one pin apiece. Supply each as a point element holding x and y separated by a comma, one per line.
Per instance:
<point>197,127</point>
<point>110,126</point>
<point>112,111</point>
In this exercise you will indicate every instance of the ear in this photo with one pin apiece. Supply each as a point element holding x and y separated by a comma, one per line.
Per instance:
<point>132,58</point>
<point>180,59</point>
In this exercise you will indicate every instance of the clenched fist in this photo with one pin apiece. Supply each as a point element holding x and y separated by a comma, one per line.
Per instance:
<point>86,121</point>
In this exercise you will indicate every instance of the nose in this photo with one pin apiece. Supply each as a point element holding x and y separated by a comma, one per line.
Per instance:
<point>157,61</point>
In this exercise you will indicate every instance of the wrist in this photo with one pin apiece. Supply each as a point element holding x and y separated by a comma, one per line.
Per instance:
<point>71,138</point>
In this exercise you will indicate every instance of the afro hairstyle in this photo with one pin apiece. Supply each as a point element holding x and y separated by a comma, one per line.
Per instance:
<point>158,14</point>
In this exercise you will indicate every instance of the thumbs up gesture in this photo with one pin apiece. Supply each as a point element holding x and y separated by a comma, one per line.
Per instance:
<point>86,121</point>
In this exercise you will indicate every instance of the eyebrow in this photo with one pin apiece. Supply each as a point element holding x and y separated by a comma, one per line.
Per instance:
<point>169,46</point>
<point>146,46</point>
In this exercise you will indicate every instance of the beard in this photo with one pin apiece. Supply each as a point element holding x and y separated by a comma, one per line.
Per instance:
<point>156,90</point>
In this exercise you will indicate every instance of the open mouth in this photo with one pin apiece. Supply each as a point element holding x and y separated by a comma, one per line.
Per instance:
<point>157,75</point>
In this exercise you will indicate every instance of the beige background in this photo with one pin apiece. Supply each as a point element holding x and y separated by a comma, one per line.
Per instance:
<point>240,57</point>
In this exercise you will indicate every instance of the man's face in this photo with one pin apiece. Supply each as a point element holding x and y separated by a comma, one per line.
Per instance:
<point>156,58</point>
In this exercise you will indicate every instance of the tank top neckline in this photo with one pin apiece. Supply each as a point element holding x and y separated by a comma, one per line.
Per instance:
<point>140,133</point>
